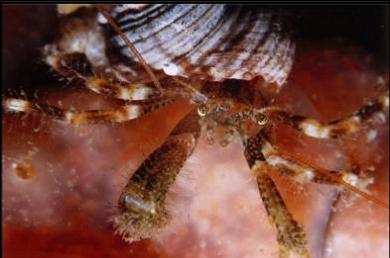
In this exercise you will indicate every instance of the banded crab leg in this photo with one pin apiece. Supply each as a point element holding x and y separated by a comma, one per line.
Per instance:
<point>374,111</point>
<point>262,157</point>
<point>128,92</point>
<point>78,118</point>
<point>303,173</point>
<point>67,65</point>
<point>134,92</point>
<point>290,234</point>
<point>141,205</point>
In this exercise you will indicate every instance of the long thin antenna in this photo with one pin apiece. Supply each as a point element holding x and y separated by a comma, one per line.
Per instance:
<point>198,97</point>
<point>347,185</point>
<point>355,189</point>
<point>130,45</point>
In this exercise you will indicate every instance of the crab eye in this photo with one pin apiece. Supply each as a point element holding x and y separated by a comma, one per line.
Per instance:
<point>203,110</point>
<point>260,118</point>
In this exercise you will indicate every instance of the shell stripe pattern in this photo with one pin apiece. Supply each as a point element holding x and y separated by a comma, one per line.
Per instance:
<point>213,42</point>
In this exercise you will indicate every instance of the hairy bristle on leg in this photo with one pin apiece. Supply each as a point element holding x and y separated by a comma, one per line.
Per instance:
<point>142,211</point>
<point>290,235</point>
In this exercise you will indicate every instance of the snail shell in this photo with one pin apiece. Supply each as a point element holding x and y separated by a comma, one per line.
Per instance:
<point>207,41</point>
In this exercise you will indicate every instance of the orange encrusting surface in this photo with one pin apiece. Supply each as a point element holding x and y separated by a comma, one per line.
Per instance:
<point>79,240</point>
<point>63,210</point>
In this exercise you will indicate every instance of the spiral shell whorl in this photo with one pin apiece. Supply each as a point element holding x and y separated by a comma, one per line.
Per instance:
<point>213,42</point>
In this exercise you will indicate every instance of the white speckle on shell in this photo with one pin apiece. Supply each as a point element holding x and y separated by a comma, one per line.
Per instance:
<point>171,69</point>
<point>101,19</point>
<point>133,112</point>
<point>16,105</point>
<point>314,129</point>
<point>355,181</point>
<point>371,135</point>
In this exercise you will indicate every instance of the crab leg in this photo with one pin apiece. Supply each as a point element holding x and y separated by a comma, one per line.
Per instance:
<point>303,173</point>
<point>128,92</point>
<point>135,92</point>
<point>290,235</point>
<point>124,113</point>
<point>141,205</point>
<point>375,111</point>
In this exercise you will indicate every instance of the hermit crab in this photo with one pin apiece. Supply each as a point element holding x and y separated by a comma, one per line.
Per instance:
<point>146,57</point>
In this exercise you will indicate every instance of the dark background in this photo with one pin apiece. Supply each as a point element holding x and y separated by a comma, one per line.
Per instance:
<point>365,25</point>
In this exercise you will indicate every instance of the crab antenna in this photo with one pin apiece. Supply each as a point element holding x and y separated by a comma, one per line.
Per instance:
<point>198,96</point>
<point>356,190</point>
<point>130,45</point>
<point>349,186</point>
